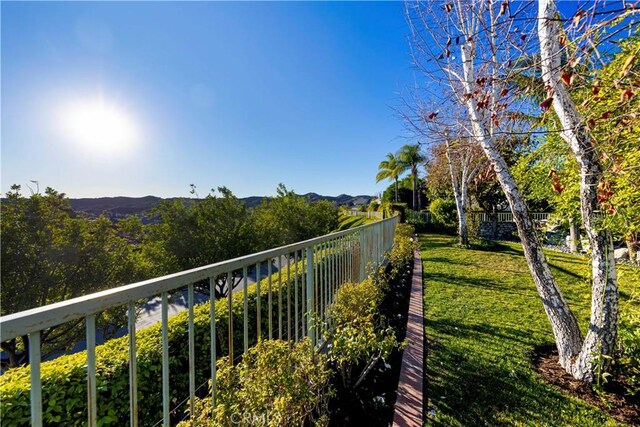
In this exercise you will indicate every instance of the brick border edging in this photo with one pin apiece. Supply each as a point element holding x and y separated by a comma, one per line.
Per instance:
<point>408,411</point>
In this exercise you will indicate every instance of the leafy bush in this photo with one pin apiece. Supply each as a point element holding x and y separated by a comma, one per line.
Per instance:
<point>443,213</point>
<point>404,244</point>
<point>276,384</point>
<point>358,339</point>
<point>64,388</point>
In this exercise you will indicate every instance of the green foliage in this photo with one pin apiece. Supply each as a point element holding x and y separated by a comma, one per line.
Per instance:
<point>64,379</point>
<point>289,218</point>
<point>404,245</point>
<point>277,383</point>
<point>405,192</point>
<point>50,255</point>
<point>444,214</point>
<point>358,337</point>
<point>195,233</point>
<point>608,99</point>
<point>391,168</point>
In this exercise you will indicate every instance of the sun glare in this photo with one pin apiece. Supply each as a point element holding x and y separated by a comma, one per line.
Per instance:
<point>99,128</point>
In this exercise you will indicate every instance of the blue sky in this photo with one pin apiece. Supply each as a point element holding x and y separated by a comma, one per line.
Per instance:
<point>245,95</point>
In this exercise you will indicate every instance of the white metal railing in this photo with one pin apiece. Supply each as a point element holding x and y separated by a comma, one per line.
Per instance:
<point>425,216</point>
<point>325,264</point>
<point>508,216</point>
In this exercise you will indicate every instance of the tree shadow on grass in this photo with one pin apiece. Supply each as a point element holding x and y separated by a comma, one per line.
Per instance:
<point>525,290</point>
<point>476,388</point>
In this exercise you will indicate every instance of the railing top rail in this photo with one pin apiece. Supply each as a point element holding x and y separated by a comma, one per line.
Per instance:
<point>39,318</point>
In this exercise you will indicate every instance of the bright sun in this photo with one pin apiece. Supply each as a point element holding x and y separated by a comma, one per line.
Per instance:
<point>99,128</point>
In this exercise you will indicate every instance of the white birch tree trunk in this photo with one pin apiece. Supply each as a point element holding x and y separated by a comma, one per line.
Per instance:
<point>603,323</point>
<point>459,195</point>
<point>564,325</point>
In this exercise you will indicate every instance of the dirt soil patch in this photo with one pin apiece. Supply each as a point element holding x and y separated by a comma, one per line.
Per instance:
<point>614,401</point>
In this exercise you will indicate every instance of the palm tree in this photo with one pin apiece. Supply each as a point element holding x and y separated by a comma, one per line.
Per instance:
<point>390,169</point>
<point>410,158</point>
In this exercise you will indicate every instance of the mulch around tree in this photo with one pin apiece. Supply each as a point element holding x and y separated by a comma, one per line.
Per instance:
<point>613,400</point>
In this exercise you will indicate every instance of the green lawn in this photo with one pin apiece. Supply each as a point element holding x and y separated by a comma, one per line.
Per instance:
<point>483,318</point>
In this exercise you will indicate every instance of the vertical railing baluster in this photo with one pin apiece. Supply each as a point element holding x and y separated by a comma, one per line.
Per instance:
<point>280,277</point>
<point>327,298</point>
<point>133,365</point>
<point>303,286</point>
<point>340,258</point>
<point>309,286</point>
<point>165,360</point>
<point>323,274</point>
<point>92,409</point>
<point>345,260</point>
<point>36,384</point>
<point>192,357</point>
<point>269,299</point>
<point>258,302</point>
<point>349,260</point>
<point>295,289</point>
<point>333,271</point>
<point>363,243</point>
<point>212,337</point>
<point>245,306</point>
<point>289,296</point>
<point>316,278</point>
<point>230,309</point>
<point>336,268</point>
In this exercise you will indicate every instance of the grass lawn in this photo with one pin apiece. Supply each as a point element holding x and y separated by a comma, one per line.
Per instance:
<point>483,319</point>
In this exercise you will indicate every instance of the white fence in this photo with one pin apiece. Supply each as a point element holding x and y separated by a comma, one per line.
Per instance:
<point>316,267</point>
<point>425,216</point>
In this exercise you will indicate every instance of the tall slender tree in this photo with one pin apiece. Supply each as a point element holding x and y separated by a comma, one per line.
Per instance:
<point>390,169</point>
<point>410,158</point>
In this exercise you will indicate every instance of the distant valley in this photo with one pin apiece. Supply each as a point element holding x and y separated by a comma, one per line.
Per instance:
<point>118,207</point>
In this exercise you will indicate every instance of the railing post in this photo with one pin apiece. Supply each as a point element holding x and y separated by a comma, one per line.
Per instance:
<point>310,302</point>
<point>362,255</point>
<point>36,385</point>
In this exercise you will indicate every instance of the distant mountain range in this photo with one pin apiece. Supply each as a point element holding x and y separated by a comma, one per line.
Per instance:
<point>120,206</point>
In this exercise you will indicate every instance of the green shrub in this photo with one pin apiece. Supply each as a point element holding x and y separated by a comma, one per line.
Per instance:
<point>64,388</point>
<point>358,339</point>
<point>277,383</point>
<point>444,214</point>
<point>404,244</point>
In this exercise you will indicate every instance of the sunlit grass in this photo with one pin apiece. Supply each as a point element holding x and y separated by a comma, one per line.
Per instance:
<point>483,319</point>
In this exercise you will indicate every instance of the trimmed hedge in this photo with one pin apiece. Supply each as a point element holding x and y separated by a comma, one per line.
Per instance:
<point>64,387</point>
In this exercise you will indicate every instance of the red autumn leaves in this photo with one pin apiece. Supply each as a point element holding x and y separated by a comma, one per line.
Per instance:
<point>556,181</point>
<point>605,190</point>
